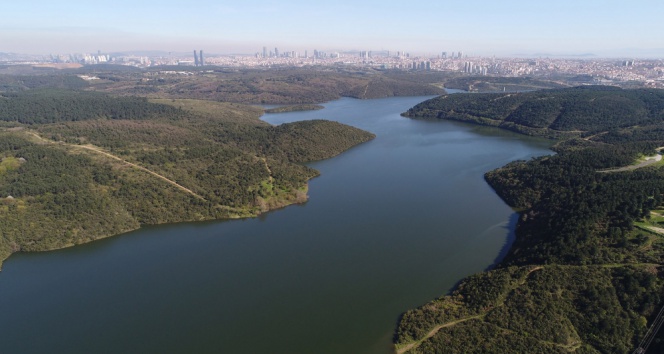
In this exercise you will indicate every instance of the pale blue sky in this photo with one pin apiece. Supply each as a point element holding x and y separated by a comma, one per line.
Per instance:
<point>500,27</point>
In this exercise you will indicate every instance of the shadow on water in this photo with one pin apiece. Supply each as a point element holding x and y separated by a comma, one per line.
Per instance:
<point>509,241</point>
<point>510,227</point>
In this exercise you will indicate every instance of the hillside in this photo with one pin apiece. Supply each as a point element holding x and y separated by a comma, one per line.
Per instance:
<point>291,86</point>
<point>55,105</point>
<point>500,84</point>
<point>584,274</point>
<point>554,113</point>
<point>77,166</point>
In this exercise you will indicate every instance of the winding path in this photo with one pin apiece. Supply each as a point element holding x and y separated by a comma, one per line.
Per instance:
<point>100,151</point>
<point>650,160</point>
<point>433,332</point>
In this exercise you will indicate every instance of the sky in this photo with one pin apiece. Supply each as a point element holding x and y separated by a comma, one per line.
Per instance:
<point>625,28</point>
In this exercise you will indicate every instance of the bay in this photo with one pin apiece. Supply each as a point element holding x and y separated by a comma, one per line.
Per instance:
<point>390,224</point>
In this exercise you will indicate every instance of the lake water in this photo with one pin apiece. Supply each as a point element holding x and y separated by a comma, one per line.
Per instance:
<point>390,225</point>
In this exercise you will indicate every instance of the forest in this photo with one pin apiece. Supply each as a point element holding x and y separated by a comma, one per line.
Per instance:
<point>556,113</point>
<point>584,272</point>
<point>56,105</point>
<point>77,165</point>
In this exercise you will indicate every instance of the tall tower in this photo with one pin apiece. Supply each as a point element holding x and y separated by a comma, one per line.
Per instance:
<point>264,52</point>
<point>195,58</point>
<point>201,61</point>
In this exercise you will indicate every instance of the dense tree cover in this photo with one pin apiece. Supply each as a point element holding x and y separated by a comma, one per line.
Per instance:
<point>301,141</point>
<point>64,192</point>
<point>61,197</point>
<point>49,106</point>
<point>550,112</point>
<point>546,309</point>
<point>652,133</point>
<point>575,215</point>
<point>26,82</point>
<point>580,277</point>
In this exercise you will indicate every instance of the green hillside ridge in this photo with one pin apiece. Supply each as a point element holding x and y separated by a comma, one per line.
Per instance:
<point>558,113</point>
<point>93,166</point>
<point>294,108</point>
<point>289,86</point>
<point>580,276</point>
<point>500,84</point>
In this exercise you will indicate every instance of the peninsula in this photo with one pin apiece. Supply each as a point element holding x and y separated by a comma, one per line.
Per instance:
<point>80,165</point>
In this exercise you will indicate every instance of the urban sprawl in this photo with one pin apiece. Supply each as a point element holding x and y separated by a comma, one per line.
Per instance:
<point>646,72</point>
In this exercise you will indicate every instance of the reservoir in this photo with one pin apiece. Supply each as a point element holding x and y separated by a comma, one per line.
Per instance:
<point>390,224</point>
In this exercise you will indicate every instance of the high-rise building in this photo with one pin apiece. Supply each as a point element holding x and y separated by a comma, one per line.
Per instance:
<point>264,52</point>
<point>195,58</point>
<point>276,52</point>
<point>444,55</point>
<point>201,61</point>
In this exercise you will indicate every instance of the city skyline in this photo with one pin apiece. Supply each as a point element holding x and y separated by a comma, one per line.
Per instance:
<point>510,28</point>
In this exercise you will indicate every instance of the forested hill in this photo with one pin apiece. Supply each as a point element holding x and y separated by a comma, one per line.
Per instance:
<point>55,105</point>
<point>306,85</point>
<point>559,112</point>
<point>9,83</point>
<point>78,166</point>
<point>584,274</point>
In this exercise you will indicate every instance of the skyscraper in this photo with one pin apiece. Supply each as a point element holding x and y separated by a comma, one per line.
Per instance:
<point>201,61</point>
<point>264,52</point>
<point>195,58</point>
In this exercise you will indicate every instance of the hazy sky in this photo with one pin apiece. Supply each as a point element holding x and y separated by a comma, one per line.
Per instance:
<point>483,27</point>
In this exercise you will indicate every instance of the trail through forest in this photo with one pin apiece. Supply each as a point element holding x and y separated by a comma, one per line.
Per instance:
<point>100,151</point>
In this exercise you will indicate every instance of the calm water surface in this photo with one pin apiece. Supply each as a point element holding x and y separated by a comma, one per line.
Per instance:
<point>390,225</point>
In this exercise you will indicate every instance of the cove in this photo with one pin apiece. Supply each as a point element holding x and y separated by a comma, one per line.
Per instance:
<point>390,225</point>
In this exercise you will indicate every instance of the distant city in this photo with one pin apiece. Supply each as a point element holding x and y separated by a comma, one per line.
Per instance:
<point>645,72</point>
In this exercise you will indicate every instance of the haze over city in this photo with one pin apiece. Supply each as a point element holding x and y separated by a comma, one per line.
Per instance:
<point>604,28</point>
